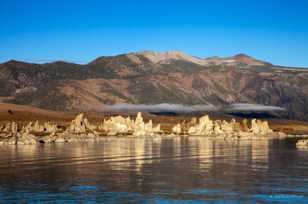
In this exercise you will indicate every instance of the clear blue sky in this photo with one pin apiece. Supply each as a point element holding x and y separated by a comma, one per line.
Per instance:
<point>79,31</point>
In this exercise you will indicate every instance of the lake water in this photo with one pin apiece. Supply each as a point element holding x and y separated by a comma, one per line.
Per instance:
<point>154,170</point>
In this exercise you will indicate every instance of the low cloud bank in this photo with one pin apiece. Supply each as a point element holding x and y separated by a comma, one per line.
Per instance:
<point>163,107</point>
<point>252,107</point>
<point>180,108</point>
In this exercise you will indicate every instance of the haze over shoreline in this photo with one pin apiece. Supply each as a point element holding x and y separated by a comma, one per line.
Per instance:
<point>180,108</point>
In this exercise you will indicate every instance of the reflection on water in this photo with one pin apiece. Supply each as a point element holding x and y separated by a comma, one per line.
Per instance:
<point>155,170</point>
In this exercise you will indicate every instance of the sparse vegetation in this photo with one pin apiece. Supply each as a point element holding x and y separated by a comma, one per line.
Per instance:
<point>122,79</point>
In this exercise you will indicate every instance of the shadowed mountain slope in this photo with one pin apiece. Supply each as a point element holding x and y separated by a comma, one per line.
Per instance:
<point>152,77</point>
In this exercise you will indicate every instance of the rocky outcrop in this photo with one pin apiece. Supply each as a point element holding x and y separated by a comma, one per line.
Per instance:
<point>177,129</point>
<point>13,136</point>
<point>45,128</point>
<point>260,127</point>
<point>26,138</point>
<point>117,126</point>
<point>10,127</point>
<point>53,138</point>
<point>245,127</point>
<point>80,129</point>
<point>205,127</point>
<point>125,126</point>
<point>302,144</point>
<point>80,125</point>
<point>145,129</point>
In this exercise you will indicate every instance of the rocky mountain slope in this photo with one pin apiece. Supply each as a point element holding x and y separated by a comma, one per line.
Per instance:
<point>153,77</point>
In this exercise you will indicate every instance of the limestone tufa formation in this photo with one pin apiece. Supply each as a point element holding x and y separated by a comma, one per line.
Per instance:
<point>45,128</point>
<point>117,126</point>
<point>10,128</point>
<point>260,127</point>
<point>13,136</point>
<point>302,144</point>
<point>125,126</point>
<point>177,129</point>
<point>205,126</point>
<point>80,125</point>
<point>81,130</point>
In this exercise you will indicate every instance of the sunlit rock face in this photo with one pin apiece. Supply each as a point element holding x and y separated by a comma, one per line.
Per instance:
<point>10,127</point>
<point>13,136</point>
<point>9,133</point>
<point>44,128</point>
<point>125,126</point>
<point>260,127</point>
<point>80,125</point>
<point>203,127</point>
<point>245,125</point>
<point>145,129</point>
<point>80,129</point>
<point>140,128</point>
<point>177,129</point>
<point>206,126</point>
<point>302,144</point>
<point>68,137</point>
<point>226,127</point>
<point>53,138</point>
<point>117,126</point>
<point>25,138</point>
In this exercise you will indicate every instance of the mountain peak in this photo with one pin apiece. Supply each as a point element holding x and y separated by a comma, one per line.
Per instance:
<point>16,63</point>
<point>246,59</point>
<point>163,57</point>
<point>241,56</point>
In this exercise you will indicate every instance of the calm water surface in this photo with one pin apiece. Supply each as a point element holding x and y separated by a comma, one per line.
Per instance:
<point>147,170</point>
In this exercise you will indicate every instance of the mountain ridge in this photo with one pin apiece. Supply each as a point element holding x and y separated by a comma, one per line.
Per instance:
<point>171,54</point>
<point>153,78</point>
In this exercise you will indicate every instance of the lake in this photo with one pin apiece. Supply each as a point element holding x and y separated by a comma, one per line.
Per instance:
<point>155,170</point>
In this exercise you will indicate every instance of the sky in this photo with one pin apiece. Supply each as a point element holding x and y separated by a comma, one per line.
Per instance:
<point>79,31</point>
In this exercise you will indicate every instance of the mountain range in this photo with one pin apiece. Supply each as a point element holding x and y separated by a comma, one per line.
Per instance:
<point>155,77</point>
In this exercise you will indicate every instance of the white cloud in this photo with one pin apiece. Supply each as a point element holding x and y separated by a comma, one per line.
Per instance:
<point>180,108</point>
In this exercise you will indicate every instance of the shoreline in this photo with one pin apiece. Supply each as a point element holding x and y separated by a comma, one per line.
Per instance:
<point>80,130</point>
<point>23,114</point>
